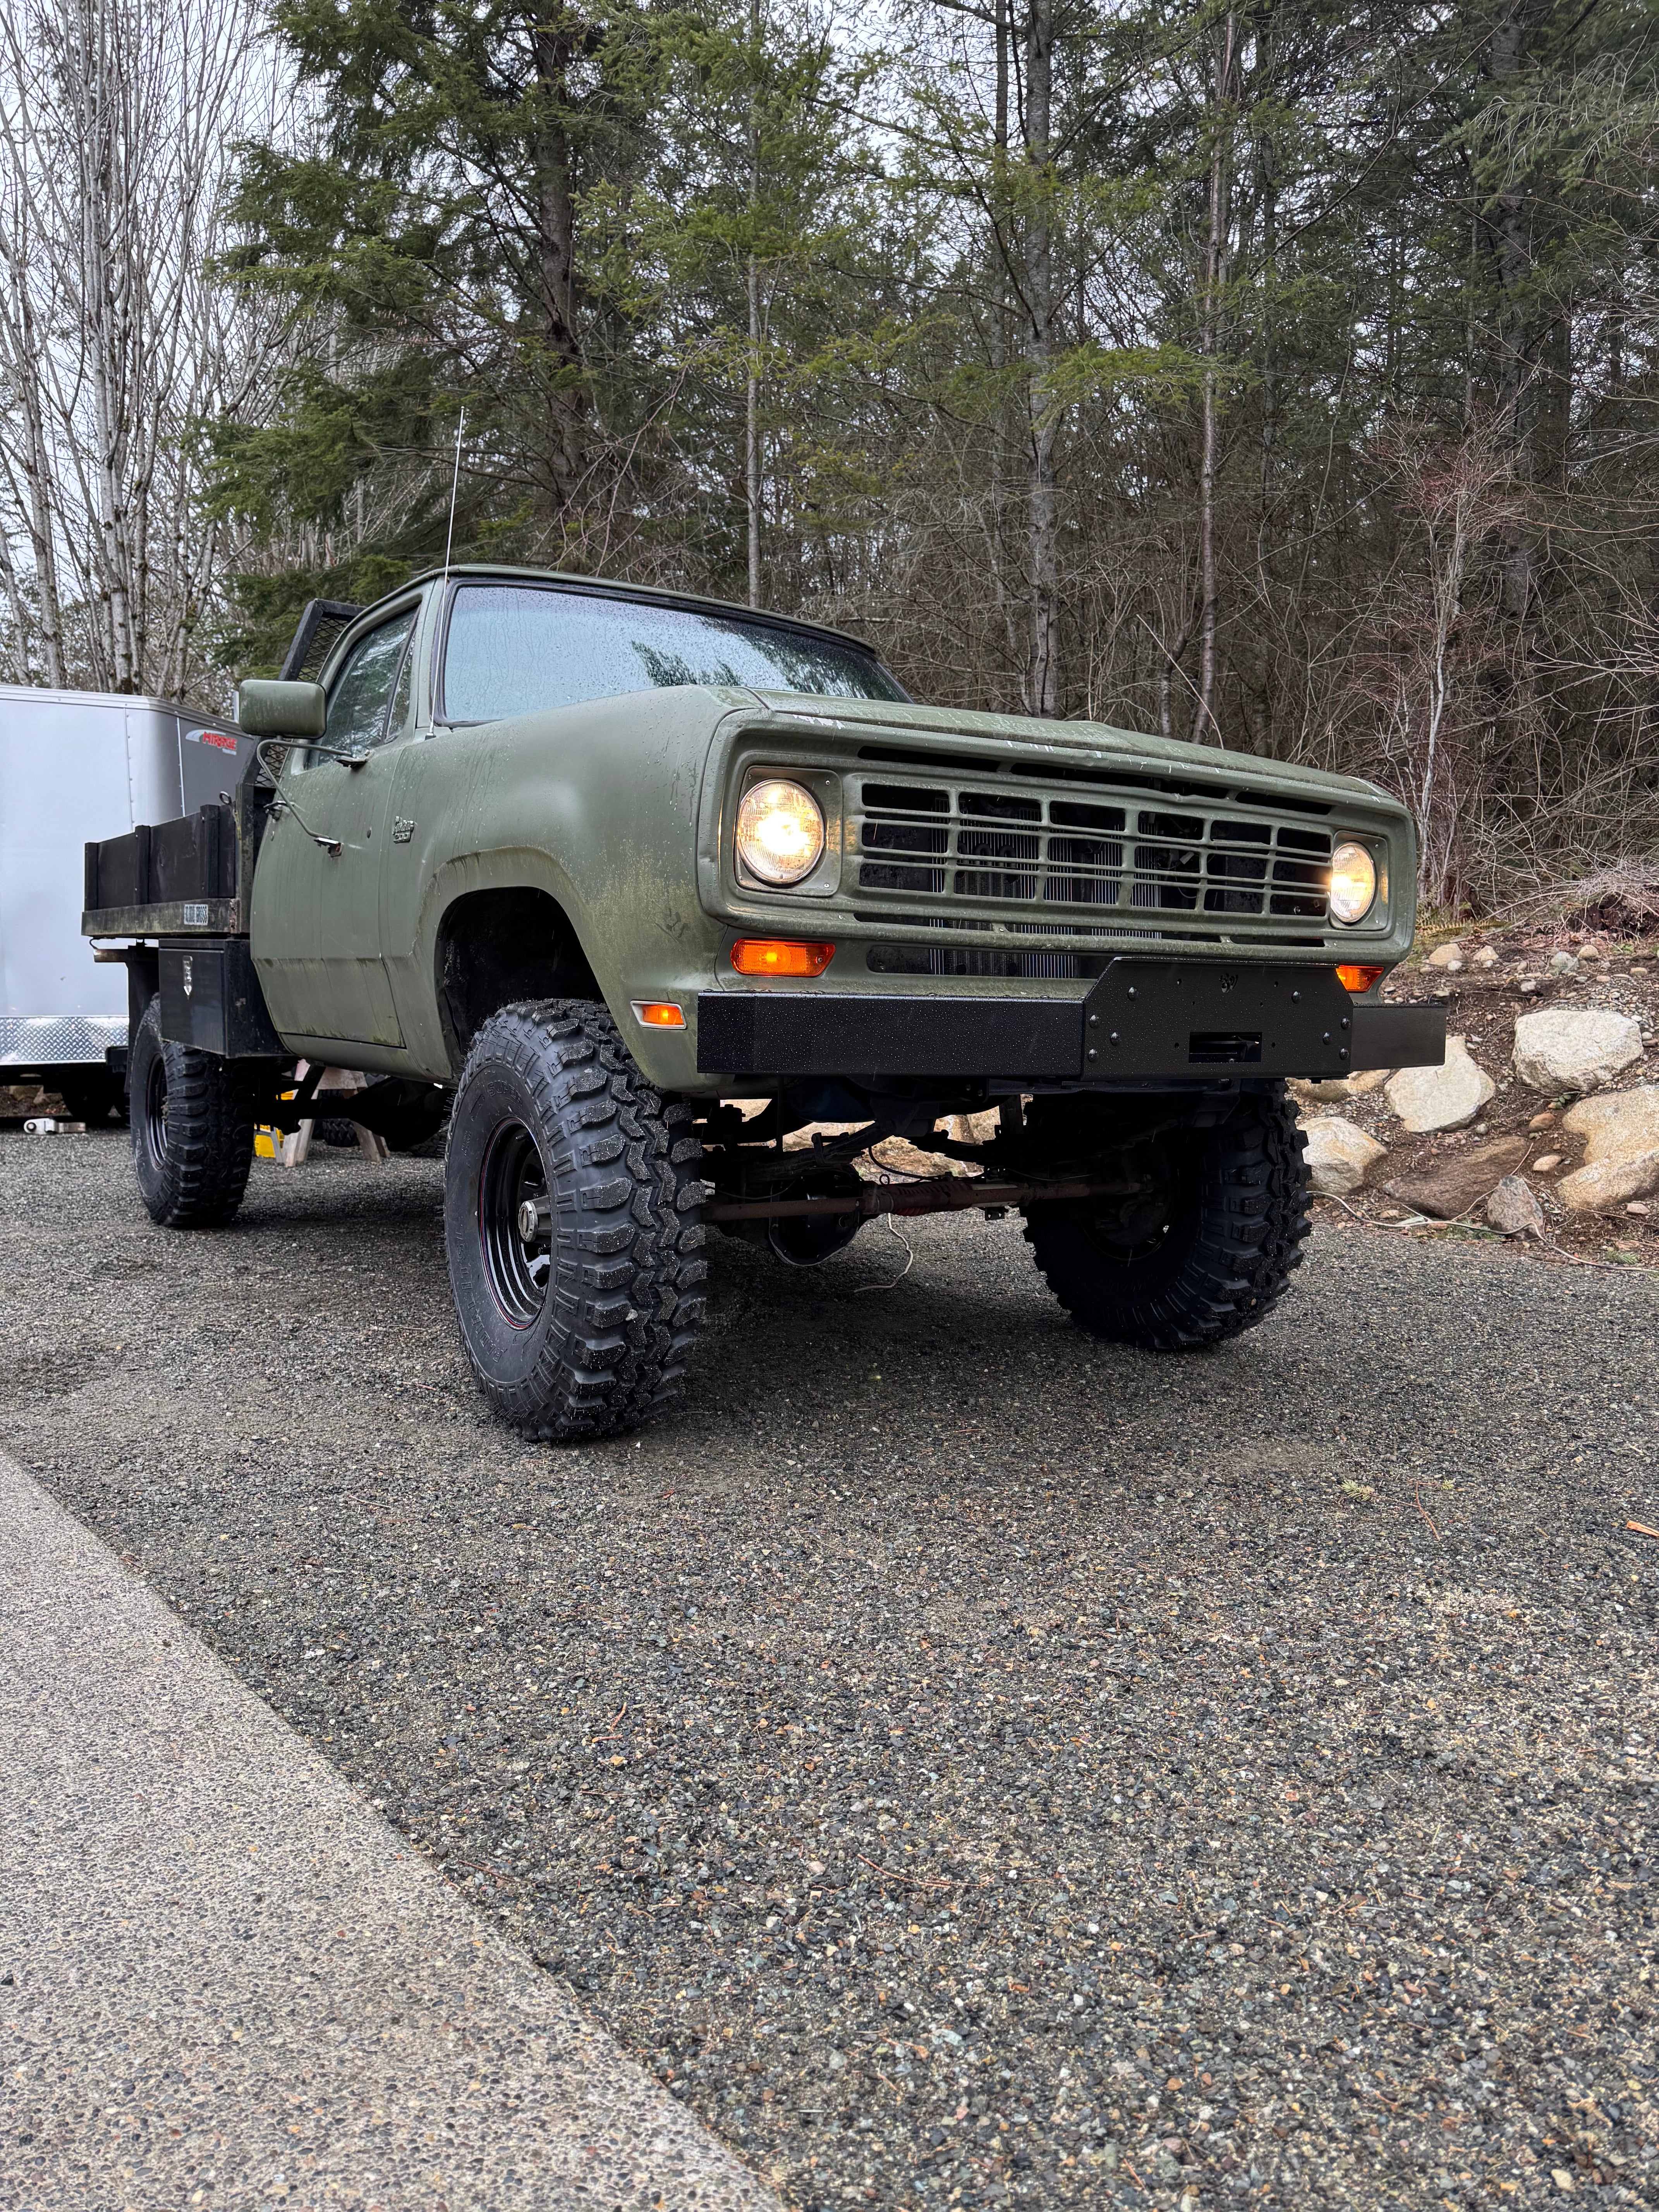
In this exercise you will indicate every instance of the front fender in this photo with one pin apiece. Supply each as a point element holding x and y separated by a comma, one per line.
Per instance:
<point>595,804</point>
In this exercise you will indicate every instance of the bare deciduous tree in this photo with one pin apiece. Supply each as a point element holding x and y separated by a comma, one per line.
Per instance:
<point>118,118</point>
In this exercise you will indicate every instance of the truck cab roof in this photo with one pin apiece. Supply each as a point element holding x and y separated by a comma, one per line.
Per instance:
<point>613,588</point>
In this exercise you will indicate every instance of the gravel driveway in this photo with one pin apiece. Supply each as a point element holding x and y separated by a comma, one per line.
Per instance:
<point>971,1764</point>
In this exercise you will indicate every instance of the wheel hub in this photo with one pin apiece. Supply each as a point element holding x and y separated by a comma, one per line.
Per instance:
<point>1134,1225</point>
<point>515,1230</point>
<point>155,1110</point>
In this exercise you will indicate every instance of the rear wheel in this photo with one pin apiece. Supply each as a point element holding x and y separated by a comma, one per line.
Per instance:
<point>417,1123</point>
<point>1203,1244</point>
<point>571,1216</point>
<point>192,1129</point>
<point>407,1115</point>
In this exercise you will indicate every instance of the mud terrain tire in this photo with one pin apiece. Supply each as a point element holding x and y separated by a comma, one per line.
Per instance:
<point>192,1129</point>
<point>571,1216</point>
<point>1237,1218</point>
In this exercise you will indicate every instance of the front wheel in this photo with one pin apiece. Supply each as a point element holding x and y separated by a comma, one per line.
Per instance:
<point>571,1216</point>
<point>1202,1242</point>
<point>192,1129</point>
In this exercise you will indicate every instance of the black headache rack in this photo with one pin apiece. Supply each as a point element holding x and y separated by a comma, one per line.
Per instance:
<point>321,623</point>
<point>1144,1021</point>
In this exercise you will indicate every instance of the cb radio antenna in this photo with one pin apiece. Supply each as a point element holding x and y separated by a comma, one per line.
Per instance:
<point>454,486</point>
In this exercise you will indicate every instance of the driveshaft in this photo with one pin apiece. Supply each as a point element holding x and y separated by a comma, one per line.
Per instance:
<point>948,1194</point>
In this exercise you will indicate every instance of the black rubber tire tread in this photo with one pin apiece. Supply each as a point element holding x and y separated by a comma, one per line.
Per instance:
<point>418,1126</point>
<point>416,1119</point>
<point>407,1115</point>
<point>1232,1259</point>
<point>627,1292</point>
<point>199,1182</point>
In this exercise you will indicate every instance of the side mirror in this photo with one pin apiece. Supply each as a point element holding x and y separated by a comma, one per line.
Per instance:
<point>267,709</point>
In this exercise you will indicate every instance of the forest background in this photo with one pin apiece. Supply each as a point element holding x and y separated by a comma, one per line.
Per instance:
<point>1281,377</point>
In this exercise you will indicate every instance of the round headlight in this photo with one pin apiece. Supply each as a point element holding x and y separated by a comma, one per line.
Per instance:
<point>1353,883</point>
<point>779,832</point>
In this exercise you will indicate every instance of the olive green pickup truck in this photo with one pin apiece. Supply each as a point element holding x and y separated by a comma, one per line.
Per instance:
<point>633,889</point>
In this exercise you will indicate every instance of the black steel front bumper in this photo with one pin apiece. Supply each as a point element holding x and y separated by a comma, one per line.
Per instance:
<point>1144,1020</point>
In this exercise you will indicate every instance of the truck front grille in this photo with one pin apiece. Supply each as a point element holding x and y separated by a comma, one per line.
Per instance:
<point>948,960</point>
<point>1071,858</point>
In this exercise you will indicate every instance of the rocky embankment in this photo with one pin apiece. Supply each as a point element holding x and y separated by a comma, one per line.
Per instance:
<point>1543,1125</point>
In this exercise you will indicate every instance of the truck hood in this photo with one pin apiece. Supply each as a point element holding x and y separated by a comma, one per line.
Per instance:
<point>1036,739</point>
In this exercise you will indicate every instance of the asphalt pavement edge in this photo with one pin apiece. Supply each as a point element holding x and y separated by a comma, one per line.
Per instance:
<point>225,1979</point>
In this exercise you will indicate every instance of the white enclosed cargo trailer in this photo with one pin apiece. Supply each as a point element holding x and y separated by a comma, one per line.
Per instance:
<point>75,766</point>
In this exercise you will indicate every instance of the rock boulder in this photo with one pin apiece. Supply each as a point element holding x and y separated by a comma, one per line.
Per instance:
<point>1339,1156</point>
<point>1617,1125</point>
<point>1448,1098</point>
<point>1453,1186</point>
<point>1337,1091</point>
<point>1610,1182</point>
<point>1513,1207</point>
<point>1574,1048</point>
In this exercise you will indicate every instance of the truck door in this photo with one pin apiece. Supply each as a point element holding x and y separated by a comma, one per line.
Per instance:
<point>316,922</point>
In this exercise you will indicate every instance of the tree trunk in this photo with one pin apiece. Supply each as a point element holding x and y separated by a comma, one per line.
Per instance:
<point>1513,336</point>
<point>1266,185</point>
<point>1258,703</point>
<point>556,273</point>
<point>1206,727</point>
<point>1552,419</point>
<point>37,502</point>
<point>116,344</point>
<point>107,221</point>
<point>751,441</point>
<point>1042,662</point>
<point>1003,432</point>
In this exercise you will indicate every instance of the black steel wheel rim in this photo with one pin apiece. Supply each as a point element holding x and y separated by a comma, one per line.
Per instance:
<point>155,1110</point>
<point>516,1223</point>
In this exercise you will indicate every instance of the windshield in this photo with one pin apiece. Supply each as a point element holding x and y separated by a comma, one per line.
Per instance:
<point>519,649</point>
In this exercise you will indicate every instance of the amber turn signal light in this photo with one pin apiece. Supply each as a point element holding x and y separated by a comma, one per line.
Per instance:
<point>1358,980</point>
<point>658,1014</point>
<point>780,955</point>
